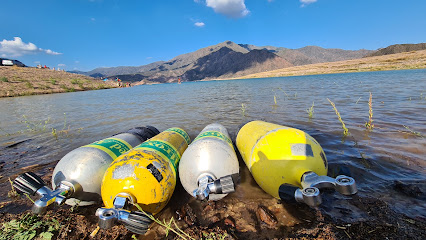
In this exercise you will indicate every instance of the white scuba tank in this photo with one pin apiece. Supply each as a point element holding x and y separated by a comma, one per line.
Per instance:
<point>77,177</point>
<point>209,167</point>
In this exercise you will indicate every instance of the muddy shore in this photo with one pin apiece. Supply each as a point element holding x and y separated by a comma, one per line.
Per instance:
<point>245,214</point>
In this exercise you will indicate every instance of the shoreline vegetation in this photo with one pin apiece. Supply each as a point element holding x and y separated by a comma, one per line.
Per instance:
<point>17,81</point>
<point>397,61</point>
<point>25,81</point>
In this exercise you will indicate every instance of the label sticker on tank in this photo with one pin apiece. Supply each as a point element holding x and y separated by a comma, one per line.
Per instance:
<point>112,146</point>
<point>214,134</point>
<point>300,149</point>
<point>182,133</point>
<point>154,171</point>
<point>163,148</point>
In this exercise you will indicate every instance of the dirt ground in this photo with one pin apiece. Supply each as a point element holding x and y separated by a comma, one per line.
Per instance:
<point>23,81</point>
<point>236,217</point>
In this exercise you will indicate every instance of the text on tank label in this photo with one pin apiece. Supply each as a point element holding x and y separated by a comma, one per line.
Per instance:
<point>163,148</point>
<point>182,133</point>
<point>112,146</point>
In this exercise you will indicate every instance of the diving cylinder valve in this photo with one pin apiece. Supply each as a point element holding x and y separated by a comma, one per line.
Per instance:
<point>78,175</point>
<point>145,176</point>
<point>209,167</point>
<point>288,163</point>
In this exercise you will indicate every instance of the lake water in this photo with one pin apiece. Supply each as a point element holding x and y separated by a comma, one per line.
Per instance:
<point>394,150</point>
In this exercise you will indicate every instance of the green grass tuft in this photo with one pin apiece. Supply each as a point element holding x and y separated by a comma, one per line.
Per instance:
<point>345,130</point>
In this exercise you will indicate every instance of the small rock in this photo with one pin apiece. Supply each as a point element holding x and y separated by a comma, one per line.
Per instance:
<point>209,207</point>
<point>189,216</point>
<point>266,216</point>
<point>229,222</point>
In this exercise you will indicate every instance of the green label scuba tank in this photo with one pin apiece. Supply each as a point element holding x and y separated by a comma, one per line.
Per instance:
<point>78,175</point>
<point>209,167</point>
<point>146,176</point>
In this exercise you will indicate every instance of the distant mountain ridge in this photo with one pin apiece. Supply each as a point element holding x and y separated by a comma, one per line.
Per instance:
<point>398,48</point>
<point>227,60</point>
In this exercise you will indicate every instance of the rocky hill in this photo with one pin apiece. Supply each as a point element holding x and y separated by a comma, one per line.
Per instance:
<point>398,48</point>
<point>226,60</point>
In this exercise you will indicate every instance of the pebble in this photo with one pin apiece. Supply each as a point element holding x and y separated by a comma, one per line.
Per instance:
<point>229,222</point>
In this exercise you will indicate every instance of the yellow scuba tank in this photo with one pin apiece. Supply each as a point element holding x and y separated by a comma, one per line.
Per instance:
<point>287,161</point>
<point>146,175</point>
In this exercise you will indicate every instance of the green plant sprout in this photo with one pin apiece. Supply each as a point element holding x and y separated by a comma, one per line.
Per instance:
<point>310,111</point>
<point>369,125</point>
<point>243,109</point>
<point>168,226</point>
<point>358,100</point>
<point>418,134</point>
<point>345,130</point>
<point>29,227</point>
<point>284,92</point>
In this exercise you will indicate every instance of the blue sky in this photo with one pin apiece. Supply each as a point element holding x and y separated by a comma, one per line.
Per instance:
<point>85,34</point>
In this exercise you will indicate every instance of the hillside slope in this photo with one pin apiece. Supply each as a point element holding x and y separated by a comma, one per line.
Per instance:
<point>21,81</point>
<point>398,48</point>
<point>398,61</point>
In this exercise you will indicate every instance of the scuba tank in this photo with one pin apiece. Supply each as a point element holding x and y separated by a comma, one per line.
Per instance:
<point>146,175</point>
<point>288,163</point>
<point>78,175</point>
<point>209,167</point>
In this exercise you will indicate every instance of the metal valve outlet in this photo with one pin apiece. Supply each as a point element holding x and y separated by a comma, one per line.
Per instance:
<point>32,184</point>
<point>134,221</point>
<point>312,183</point>
<point>207,185</point>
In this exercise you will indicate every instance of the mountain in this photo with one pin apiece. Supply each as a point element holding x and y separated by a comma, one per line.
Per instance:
<point>312,54</point>
<point>398,48</point>
<point>227,60</point>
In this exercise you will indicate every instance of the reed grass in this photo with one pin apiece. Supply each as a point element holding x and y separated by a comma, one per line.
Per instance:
<point>275,100</point>
<point>369,125</point>
<point>358,100</point>
<point>284,92</point>
<point>345,130</point>
<point>167,225</point>
<point>243,109</point>
<point>310,111</point>
<point>418,134</point>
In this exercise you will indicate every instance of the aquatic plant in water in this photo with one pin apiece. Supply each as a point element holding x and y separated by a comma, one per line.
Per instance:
<point>310,111</point>
<point>369,125</point>
<point>345,130</point>
<point>243,109</point>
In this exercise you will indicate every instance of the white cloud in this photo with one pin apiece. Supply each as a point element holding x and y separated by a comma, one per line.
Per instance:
<point>93,19</point>
<point>306,2</point>
<point>61,65</point>
<point>229,8</point>
<point>199,24</point>
<point>17,48</point>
